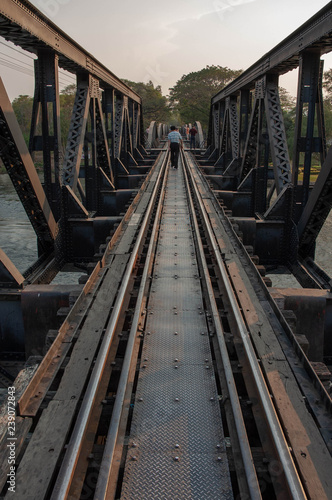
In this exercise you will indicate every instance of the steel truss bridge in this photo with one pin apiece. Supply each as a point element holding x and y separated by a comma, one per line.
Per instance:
<point>173,369</point>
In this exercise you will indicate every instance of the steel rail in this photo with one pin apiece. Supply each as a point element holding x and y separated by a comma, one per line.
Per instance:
<point>63,482</point>
<point>252,481</point>
<point>289,468</point>
<point>101,491</point>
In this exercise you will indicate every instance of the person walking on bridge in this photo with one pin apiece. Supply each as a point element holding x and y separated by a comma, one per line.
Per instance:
<point>192,134</point>
<point>174,144</point>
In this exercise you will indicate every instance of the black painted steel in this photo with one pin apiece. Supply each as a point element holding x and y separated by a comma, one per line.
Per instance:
<point>247,143</point>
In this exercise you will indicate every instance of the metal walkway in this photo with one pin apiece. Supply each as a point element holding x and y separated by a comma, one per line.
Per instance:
<point>176,447</point>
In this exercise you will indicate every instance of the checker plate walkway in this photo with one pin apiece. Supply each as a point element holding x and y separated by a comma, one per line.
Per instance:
<point>177,447</point>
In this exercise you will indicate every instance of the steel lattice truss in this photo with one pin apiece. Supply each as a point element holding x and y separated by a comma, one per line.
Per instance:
<point>105,143</point>
<point>247,139</point>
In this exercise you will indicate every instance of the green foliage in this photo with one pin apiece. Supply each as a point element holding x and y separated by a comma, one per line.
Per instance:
<point>154,104</point>
<point>191,95</point>
<point>288,106</point>
<point>22,106</point>
<point>67,98</point>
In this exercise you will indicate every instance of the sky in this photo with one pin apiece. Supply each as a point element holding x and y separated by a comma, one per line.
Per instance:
<point>143,40</point>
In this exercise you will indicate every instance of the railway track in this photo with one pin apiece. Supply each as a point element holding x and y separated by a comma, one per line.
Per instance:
<point>174,375</point>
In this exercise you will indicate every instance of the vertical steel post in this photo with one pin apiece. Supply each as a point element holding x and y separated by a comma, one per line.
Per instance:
<point>304,141</point>
<point>47,100</point>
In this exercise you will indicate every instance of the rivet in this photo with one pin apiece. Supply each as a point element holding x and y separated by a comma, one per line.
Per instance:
<point>140,399</point>
<point>177,446</point>
<point>134,458</point>
<point>207,367</point>
<point>218,446</point>
<point>176,366</point>
<point>176,360</point>
<point>219,459</point>
<point>212,399</point>
<point>176,399</point>
<point>176,459</point>
<point>134,444</point>
<point>175,333</point>
<point>144,366</point>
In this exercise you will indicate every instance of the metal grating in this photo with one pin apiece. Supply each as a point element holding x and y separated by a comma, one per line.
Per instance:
<point>176,448</point>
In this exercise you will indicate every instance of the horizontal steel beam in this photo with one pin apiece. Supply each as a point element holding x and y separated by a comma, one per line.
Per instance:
<point>32,30</point>
<point>316,33</point>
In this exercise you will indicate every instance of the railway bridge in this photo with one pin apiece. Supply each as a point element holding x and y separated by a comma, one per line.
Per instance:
<point>177,367</point>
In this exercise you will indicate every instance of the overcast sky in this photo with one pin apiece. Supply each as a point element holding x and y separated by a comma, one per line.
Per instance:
<point>144,40</point>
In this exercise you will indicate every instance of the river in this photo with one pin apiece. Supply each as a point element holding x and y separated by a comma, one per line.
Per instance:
<point>17,238</point>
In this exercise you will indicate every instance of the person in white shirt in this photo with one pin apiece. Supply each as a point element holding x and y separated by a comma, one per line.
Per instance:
<point>174,144</point>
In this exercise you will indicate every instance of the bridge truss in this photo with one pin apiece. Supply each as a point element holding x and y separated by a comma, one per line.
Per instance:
<point>174,327</point>
<point>247,147</point>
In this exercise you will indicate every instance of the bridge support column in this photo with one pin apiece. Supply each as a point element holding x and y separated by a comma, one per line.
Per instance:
<point>46,111</point>
<point>309,102</point>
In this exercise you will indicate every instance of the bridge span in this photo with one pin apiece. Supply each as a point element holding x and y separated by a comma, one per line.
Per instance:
<point>176,368</point>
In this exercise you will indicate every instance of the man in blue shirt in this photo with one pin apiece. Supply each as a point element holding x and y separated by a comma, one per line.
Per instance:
<point>174,144</point>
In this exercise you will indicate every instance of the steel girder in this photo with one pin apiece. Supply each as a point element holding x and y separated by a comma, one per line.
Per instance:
<point>245,112</point>
<point>216,117</point>
<point>265,137</point>
<point>277,136</point>
<point>152,140</point>
<point>87,105</point>
<point>18,162</point>
<point>229,141</point>
<point>200,143</point>
<point>26,26</point>
<point>47,92</point>
<point>76,134</point>
<point>305,142</point>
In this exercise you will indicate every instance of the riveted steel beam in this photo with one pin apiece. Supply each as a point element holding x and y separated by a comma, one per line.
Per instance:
<point>76,134</point>
<point>305,142</point>
<point>24,25</point>
<point>277,136</point>
<point>49,142</point>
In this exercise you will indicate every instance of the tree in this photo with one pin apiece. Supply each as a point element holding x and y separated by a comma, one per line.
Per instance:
<point>22,106</point>
<point>191,95</point>
<point>67,98</point>
<point>154,104</point>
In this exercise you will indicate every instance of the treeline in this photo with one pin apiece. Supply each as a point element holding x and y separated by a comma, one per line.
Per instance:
<point>188,101</point>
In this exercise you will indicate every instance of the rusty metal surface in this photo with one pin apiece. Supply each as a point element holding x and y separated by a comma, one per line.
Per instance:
<point>177,446</point>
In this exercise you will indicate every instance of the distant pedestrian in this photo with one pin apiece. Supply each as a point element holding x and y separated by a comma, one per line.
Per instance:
<point>187,132</point>
<point>192,134</point>
<point>174,145</point>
